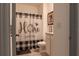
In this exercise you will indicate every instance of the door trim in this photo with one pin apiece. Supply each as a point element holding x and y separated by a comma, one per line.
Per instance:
<point>4,29</point>
<point>14,29</point>
<point>73,29</point>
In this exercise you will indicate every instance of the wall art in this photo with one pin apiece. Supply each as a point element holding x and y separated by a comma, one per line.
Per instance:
<point>50,19</point>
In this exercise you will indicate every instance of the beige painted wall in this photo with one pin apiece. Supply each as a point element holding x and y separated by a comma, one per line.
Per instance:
<point>47,7</point>
<point>60,41</point>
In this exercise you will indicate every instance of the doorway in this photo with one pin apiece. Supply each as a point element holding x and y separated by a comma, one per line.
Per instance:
<point>73,40</point>
<point>14,32</point>
<point>50,43</point>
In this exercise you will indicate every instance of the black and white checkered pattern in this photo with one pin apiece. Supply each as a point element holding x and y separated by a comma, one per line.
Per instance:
<point>25,45</point>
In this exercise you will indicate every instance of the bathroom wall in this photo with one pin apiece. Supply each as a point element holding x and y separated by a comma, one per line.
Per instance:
<point>47,7</point>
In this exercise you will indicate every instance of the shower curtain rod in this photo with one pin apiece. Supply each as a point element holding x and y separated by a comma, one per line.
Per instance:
<point>29,14</point>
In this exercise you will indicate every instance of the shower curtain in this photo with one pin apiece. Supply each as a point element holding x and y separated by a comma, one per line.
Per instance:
<point>29,31</point>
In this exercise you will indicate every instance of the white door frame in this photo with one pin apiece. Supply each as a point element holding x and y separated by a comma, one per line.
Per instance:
<point>73,29</point>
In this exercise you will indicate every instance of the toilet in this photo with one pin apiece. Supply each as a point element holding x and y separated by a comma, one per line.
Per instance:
<point>42,46</point>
